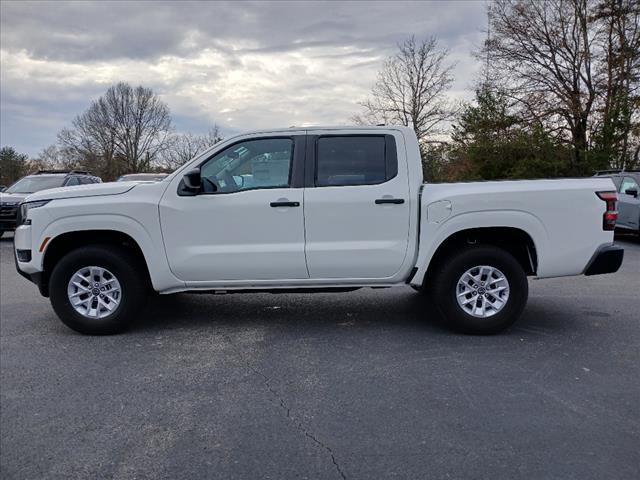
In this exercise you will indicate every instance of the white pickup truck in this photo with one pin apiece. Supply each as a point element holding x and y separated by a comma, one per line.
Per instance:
<point>312,209</point>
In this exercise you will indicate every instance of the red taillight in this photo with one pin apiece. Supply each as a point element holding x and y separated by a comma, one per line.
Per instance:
<point>611,214</point>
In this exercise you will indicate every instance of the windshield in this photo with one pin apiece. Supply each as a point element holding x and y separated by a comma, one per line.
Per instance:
<point>35,184</point>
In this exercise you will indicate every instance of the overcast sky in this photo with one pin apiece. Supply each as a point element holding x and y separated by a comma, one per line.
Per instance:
<point>242,65</point>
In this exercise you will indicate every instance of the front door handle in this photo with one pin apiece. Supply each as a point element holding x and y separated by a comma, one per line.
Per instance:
<point>284,204</point>
<point>394,201</point>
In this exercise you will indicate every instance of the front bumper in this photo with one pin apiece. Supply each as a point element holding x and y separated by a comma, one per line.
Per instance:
<point>37,278</point>
<point>607,259</point>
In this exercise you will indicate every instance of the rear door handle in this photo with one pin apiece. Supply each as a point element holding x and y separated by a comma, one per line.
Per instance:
<point>284,204</point>
<point>394,201</point>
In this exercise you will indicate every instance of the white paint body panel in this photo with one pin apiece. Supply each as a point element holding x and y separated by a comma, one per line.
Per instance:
<point>562,217</point>
<point>234,236</point>
<point>337,237</point>
<point>345,229</point>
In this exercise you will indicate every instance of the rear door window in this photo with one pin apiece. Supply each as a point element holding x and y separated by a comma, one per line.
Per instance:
<point>354,160</point>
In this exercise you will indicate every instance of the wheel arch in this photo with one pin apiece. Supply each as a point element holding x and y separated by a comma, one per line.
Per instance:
<point>62,244</point>
<point>514,240</point>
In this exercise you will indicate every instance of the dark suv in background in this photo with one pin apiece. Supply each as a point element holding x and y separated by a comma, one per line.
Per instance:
<point>11,197</point>
<point>627,184</point>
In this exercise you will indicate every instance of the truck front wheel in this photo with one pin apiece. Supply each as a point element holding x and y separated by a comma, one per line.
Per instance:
<point>97,290</point>
<point>480,290</point>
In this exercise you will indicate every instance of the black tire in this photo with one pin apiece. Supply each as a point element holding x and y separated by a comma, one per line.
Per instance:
<point>443,289</point>
<point>130,273</point>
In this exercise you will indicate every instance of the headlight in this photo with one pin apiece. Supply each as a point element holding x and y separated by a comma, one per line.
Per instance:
<point>23,211</point>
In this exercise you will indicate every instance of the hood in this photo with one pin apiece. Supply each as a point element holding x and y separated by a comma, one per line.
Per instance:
<point>12,198</point>
<point>92,190</point>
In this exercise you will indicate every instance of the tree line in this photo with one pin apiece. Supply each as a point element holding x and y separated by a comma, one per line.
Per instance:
<point>558,95</point>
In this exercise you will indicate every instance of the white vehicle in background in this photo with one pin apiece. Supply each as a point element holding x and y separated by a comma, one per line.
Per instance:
<point>312,209</point>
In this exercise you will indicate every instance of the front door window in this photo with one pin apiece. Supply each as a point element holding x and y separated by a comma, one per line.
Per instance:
<point>249,165</point>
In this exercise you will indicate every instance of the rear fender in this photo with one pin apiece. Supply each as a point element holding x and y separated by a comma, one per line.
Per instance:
<point>433,235</point>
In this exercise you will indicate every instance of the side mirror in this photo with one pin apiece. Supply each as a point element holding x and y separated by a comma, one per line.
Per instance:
<point>192,180</point>
<point>2,188</point>
<point>631,191</point>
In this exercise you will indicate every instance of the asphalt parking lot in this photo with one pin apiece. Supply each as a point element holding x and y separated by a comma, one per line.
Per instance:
<point>363,385</point>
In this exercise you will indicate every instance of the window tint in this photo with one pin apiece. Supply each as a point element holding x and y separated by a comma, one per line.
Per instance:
<point>353,160</point>
<point>72,181</point>
<point>628,183</point>
<point>260,163</point>
<point>85,180</point>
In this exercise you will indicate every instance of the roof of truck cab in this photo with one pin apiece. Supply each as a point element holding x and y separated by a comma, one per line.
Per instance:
<point>332,127</point>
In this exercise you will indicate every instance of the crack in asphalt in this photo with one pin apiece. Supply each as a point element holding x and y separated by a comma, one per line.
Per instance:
<point>298,424</point>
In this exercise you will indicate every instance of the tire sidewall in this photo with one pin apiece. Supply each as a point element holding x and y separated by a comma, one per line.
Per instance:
<point>447,282</point>
<point>120,264</point>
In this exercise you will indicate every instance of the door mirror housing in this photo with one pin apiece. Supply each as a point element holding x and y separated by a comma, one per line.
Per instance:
<point>632,191</point>
<point>193,180</point>
<point>2,188</point>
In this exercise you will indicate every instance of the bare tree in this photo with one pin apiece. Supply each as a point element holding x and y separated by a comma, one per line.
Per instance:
<point>183,147</point>
<point>410,89</point>
<point>126,129</point>
<point>544,50</point>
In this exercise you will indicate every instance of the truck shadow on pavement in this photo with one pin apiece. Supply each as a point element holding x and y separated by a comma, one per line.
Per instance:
<point>363,309</point>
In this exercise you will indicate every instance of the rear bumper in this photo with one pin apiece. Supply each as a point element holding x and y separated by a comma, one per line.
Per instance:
<point>607,259</point>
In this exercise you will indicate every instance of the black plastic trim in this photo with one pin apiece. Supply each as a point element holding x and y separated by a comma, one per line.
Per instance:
<point>222,291</point>
<point>24,255</point>
<point>414,270</point>
<point>606,260</point>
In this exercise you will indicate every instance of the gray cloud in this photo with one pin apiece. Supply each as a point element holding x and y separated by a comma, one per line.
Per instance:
<point>242,64</point>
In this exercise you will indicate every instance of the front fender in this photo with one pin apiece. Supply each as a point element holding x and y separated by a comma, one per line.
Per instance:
<point>150,243</point>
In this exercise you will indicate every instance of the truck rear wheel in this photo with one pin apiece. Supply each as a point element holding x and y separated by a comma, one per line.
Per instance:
<point>481,290</point>
<point>98,290</point>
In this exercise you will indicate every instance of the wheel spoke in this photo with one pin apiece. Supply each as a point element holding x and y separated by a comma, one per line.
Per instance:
<point>469,300</point>
<point>496,290</point>
<point>108,306</point>
<point>471,277</point>
<point>497,305</point>
<point>81,287</point>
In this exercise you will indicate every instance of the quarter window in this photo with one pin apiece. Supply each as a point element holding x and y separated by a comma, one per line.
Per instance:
<point>354,160</point>
<point>260,163</point>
